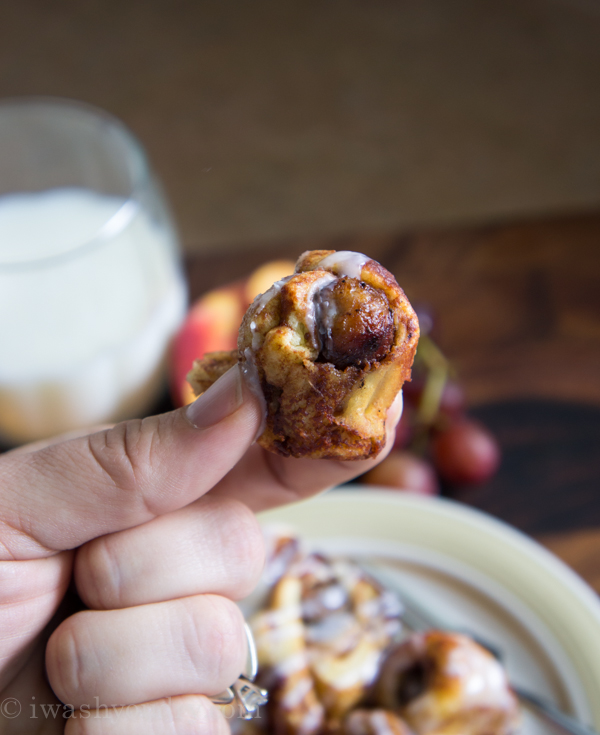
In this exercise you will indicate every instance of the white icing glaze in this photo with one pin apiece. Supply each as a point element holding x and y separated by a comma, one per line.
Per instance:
<point>330,627</point>
<point>259,304</point>
<point>319,317</point>
<point>391,606</point>
<point>314,311</point>
<point>279,617</point>
<point>296,694</point>
<point>292,664</point>
<point>311,720</point>
<point>313,566</point>
<point>347,572</point>
<point>345,263</point>
<point>256,336</point>
<point>281,550</point>
<point>273,638</point>
<point>263,299</point>
<point>381,723</point>
<point>365,673</point>
<point>329,311</point>
<point>333,597</point>
<point>325,311</point>
<point>484,679</point>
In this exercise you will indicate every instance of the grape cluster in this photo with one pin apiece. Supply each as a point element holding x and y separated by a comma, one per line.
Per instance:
<point>436,441</point>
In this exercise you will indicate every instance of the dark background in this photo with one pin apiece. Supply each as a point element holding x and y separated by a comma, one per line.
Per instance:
<point>268,120</point>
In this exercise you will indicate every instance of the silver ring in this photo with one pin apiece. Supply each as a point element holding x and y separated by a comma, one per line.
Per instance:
<point>243,692</point>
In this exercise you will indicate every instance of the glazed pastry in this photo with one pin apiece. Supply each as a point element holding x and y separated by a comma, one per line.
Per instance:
<point>375,722</point>
<point>282,549</point>
<point>294,708</point>
<point>329,349</point>
<point>446,684</point>
<point>349,622</point>
<point>320,642</point>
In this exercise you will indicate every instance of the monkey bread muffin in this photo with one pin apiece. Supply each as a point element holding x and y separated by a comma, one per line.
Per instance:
<point>329,348</point>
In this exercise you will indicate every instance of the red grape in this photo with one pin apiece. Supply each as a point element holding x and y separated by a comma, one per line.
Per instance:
<point>405,428</point>
<point>404,471</point>
<point>426,318</point>
<point>412,391</point>
<point>452,402</point>
<point>465,453</point>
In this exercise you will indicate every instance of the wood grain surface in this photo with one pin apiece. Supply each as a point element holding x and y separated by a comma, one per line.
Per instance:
<point>581,551</point>
<point>517,309</point>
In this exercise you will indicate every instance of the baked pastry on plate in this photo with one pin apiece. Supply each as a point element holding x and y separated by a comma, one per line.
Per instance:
<point>329,348</point>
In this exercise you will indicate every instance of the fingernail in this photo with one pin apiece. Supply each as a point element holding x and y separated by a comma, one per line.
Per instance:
<point>221,400</point>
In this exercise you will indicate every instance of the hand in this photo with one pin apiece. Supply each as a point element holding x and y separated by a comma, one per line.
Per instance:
<point>122,517</point>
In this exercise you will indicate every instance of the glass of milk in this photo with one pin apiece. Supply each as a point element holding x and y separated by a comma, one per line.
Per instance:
<point>91,288</point>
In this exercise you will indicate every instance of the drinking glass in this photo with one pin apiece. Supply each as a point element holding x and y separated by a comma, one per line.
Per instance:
<point>91,285</point>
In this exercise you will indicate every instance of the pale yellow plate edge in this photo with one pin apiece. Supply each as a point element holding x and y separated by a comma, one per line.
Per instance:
<point>563,601</point>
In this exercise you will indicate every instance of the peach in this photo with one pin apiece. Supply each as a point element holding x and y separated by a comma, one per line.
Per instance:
<point>212,324</point>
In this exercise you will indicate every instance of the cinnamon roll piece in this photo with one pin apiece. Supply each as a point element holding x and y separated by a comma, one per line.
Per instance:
<point>294,707</point>
<point>446,684</point>
<point>329,349</point>
<point>349,622</point>
<point>375,722</point>
<point>320,640</point>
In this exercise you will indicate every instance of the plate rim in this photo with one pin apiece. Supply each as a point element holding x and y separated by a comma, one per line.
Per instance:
<point>491,590</point>
<point>515,558</point>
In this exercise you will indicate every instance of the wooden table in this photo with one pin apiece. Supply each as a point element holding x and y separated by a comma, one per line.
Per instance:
<point>517,308</point>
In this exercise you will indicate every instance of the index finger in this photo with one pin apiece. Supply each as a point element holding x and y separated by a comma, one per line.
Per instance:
<point>63,495</point>
<point>264,480</point>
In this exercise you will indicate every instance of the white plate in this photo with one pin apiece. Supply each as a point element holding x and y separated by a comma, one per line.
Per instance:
<point>477,573</point>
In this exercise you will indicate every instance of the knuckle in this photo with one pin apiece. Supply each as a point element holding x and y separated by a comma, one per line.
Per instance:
<point>98,575</point>
<point>112,453</point>
<point>65,661</point>
<point>243,546</point>
<point>227,640</point>
<point>79,724</point>
<point>214,640</point>
<point>198,710</point>
<point>125,454</point>
<point>172,716</point>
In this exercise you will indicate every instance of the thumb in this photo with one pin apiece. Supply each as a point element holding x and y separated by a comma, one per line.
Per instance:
<point>63,495</point>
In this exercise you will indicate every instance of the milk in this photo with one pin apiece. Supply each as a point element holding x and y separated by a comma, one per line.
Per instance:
<point>90,294</point>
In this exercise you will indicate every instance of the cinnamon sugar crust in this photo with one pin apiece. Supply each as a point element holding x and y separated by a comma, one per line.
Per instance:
<point>445,682</point>
<point>330,346</point>
<point>375,722</point>
<point>208,370</point>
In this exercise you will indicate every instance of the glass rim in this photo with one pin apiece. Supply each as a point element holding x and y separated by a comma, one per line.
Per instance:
<point>139,173</point>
